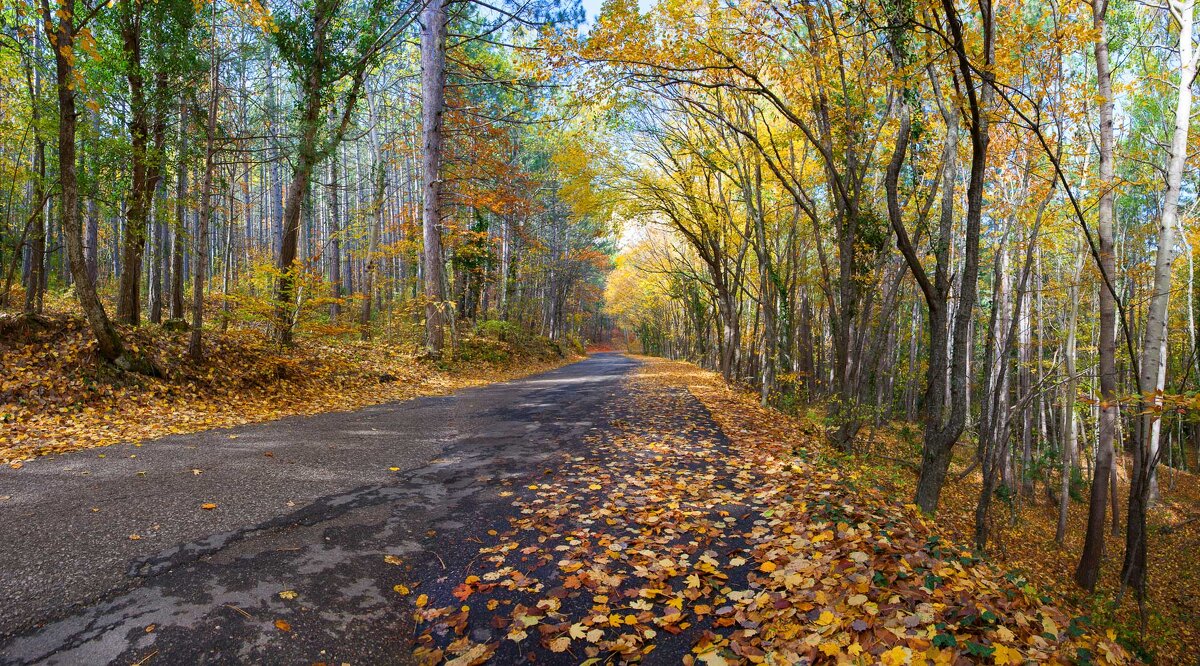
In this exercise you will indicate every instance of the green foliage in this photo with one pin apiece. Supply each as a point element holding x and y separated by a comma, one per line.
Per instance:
<point>498,342</point>
<point>484,350</point>
<point>504,331</point>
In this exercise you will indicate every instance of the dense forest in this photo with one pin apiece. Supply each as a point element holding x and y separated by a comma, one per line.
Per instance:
<point>271,164</point>
<point>965,229</point>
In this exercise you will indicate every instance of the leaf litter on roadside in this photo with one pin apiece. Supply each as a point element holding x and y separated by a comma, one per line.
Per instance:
<point>56,396</point>
<point>669,542</point>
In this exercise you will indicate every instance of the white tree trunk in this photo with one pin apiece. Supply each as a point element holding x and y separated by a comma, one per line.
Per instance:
<point>433,101</point>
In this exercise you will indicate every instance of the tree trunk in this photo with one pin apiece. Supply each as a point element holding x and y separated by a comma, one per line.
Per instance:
<point>1088,570</point>
<point>62,35</point>
<point>376,223</point>
<point>1145,456</point>
<point>145,134</point>
<point>158,256</point>
<point>335,242</point>
<point>36,277</point>
<point>305,162</point>
<point>179,232</point>
<point>936,456</point>
<point>433,91</point>
<point>37,200</point>
<point>1069,440</point>
<point>200,265</point>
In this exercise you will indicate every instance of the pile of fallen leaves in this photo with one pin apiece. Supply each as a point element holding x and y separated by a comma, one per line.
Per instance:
<point>673,540</point>
<point>56,396</point>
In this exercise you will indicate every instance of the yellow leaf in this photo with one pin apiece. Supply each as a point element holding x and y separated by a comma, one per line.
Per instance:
<point>897,656</point>
<point>208,506</point>
<point>282,625</point>
<point>767,567</point>
<point>422,600</point>
<point>1006,655</point>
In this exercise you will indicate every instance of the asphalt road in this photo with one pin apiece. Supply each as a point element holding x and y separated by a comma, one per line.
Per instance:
<point>309,505</point>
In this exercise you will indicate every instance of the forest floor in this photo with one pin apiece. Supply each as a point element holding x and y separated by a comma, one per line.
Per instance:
<point>1022,540</point>
<point>56,397</point>
<point>1023,530</point>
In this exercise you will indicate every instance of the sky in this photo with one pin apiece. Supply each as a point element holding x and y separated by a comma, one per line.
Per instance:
<point>592,7</point>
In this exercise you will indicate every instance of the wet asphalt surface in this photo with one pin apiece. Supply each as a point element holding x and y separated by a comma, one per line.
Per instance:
<point>309,505</point>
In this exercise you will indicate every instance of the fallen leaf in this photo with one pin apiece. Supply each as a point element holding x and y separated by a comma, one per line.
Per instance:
<point>475,655</point>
